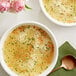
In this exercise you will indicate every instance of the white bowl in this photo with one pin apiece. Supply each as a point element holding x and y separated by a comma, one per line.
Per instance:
<point>49,69</point>
<point>53,19</point>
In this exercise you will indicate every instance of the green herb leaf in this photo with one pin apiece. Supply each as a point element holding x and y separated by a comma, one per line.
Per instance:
<point>26,6</point>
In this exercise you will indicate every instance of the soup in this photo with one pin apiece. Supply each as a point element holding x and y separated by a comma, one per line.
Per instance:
<point>62,10</point>
<point>28,50</point>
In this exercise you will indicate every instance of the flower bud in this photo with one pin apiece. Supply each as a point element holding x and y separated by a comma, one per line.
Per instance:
<point>4,6</point>
<point>17,5</point>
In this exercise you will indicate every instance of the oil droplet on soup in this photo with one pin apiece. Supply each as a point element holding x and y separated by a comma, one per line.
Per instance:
<point>28,50</point>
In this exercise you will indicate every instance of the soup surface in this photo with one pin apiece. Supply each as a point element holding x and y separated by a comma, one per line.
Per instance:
<point>61,10</point>
<point>28,50</point>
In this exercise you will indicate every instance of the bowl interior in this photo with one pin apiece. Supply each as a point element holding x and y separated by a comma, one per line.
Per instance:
<point>4,65</point>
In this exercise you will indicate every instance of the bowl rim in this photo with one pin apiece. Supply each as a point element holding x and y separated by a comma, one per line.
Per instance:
<point>53,19</point>
<point>49,69</point>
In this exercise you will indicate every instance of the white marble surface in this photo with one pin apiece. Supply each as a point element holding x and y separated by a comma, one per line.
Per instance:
<point>62,34</point>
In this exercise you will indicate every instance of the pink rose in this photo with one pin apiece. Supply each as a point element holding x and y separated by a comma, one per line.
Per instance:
<point>17,5</point>
<point>4,5</point>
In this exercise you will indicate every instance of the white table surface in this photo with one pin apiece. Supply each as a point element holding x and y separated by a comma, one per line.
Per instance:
<point>62,34</point>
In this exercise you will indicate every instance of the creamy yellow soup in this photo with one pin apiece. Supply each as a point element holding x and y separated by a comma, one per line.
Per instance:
<point>62,10</point>
<point>28,50</point>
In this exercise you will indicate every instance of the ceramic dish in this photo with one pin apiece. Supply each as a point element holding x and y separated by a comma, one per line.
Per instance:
<point>55,57</point>
<point>53,19</point>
